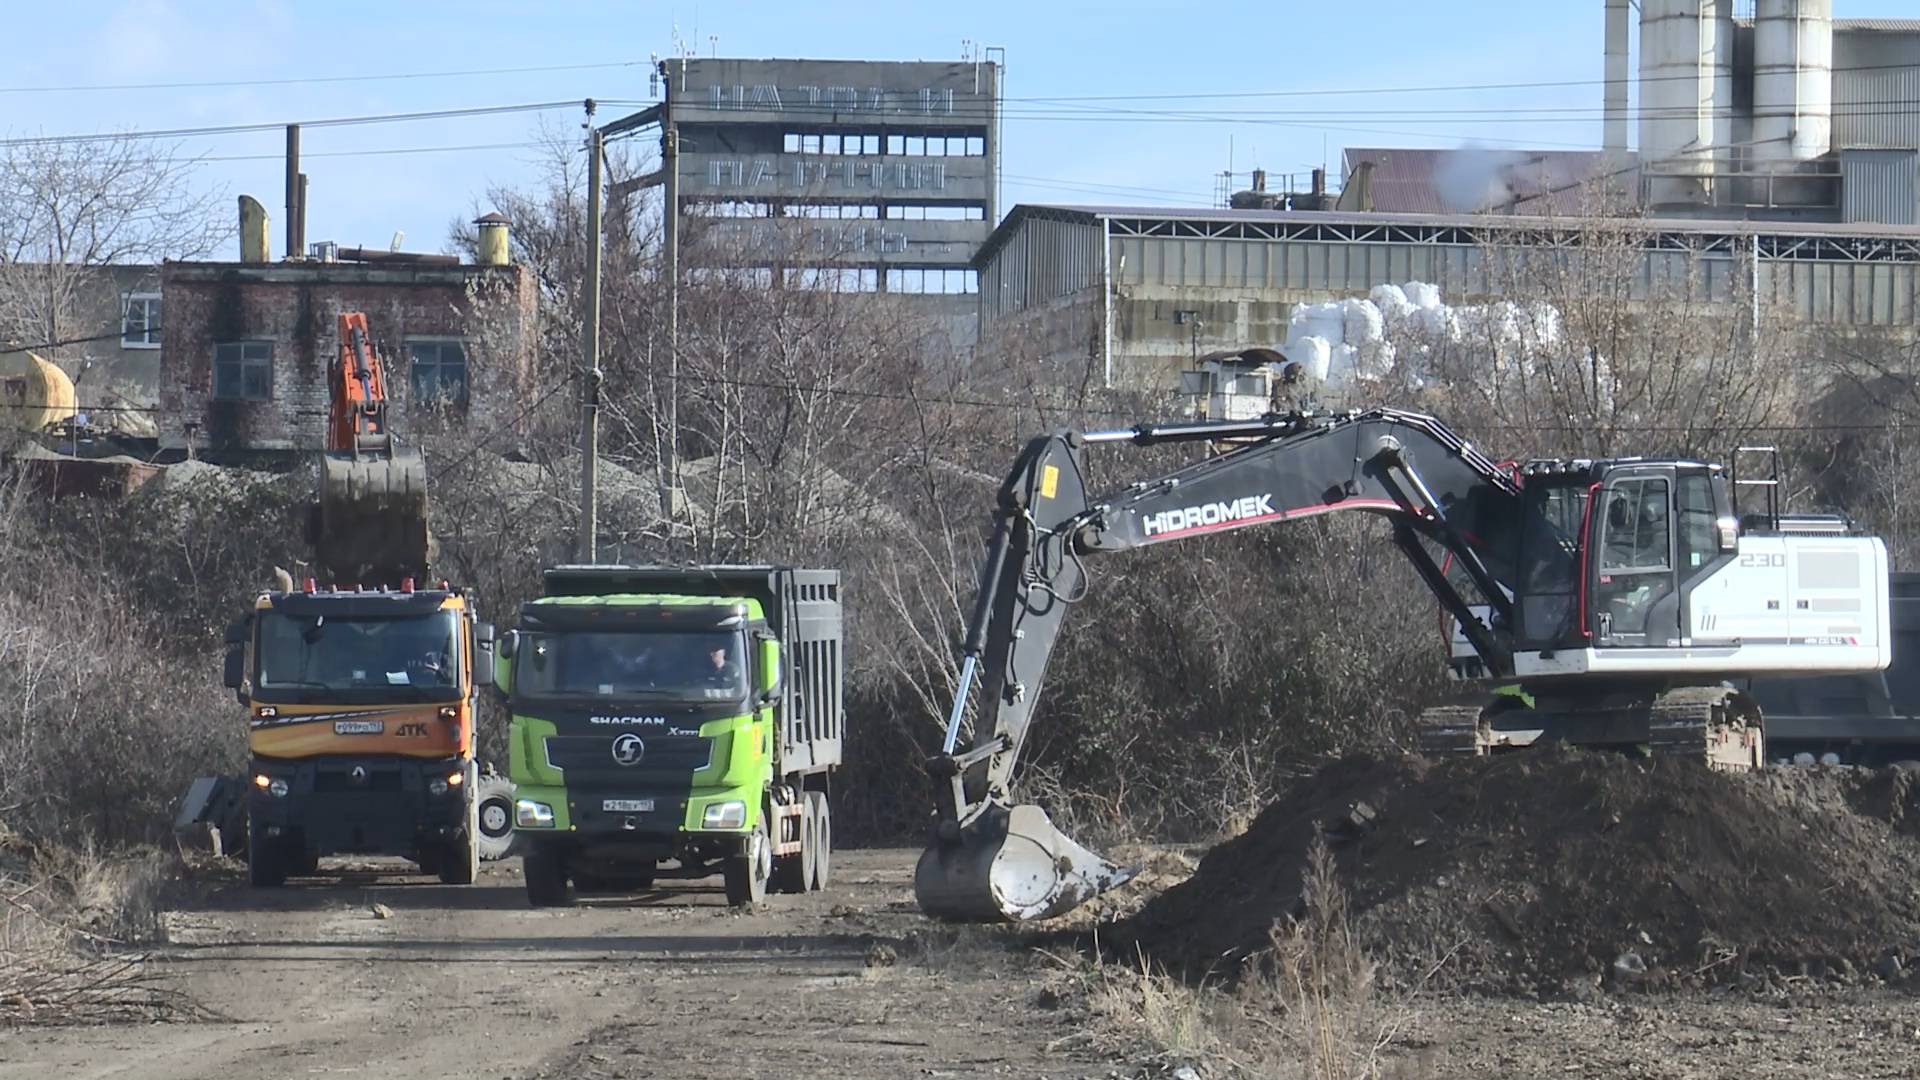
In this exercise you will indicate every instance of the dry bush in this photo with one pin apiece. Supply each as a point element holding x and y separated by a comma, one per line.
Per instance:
<point>1318,981</point>
<point>112,707</point>
<point>71,923</point>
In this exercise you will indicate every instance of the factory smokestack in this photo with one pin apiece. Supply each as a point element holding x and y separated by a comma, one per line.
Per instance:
<point>1617,74</point>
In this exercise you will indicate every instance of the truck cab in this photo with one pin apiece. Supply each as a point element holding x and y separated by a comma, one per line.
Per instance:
<point>360,726</point>
<point>674,722</point>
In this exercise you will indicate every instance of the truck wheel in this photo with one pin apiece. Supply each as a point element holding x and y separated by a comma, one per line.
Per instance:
<point>266,860</point>
<point>546,874</point>
<point>794,873</point>
<point>822,838</point>
<point>460,862</point>
<point>305,863</point>
<point>746,873</point>
<point>496,816</point>
<point>431,858</point>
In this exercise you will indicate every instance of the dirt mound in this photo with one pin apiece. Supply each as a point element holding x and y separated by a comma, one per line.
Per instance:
<point>1559,869</point>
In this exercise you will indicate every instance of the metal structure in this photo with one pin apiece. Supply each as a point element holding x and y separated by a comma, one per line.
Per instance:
<point>1792,80</point>
<point>1686,90</point>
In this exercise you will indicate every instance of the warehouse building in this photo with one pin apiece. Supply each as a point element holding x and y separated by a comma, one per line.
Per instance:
<point>1142,293</point>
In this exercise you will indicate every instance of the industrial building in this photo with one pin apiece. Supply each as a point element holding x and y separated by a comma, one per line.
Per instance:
<point>888,170</point>
<point>1768,110</point>
<point>1777,162</point>
<point>1140,293</point>
<point>1789,114</point>
<point>249,343</point>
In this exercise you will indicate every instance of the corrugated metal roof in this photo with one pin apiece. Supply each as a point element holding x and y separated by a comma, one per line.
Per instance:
<point>1439,181</point>
<point>1885,26</point>
<point>1094,213</point>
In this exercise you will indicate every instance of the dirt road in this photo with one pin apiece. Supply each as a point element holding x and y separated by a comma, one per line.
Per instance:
<point>469,982</point>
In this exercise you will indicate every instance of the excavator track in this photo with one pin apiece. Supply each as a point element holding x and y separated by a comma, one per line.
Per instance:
<point>1716,726</point>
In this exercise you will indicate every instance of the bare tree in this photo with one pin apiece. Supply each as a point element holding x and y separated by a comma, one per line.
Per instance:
<point>68,208</point>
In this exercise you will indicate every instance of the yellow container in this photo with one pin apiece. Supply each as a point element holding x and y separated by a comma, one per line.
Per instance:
<point>34,394</point>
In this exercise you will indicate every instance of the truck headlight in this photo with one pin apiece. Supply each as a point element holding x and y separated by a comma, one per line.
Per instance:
<point>277,787</point>
<point>528,814</point>
<point>724,815</point>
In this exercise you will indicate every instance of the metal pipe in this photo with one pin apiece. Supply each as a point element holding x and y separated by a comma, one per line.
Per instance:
<point>590,356</point>
<point>960,693</point>
<point>293,191</point>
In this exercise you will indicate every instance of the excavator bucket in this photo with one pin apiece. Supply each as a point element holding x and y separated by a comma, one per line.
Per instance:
<point>373,517</point>
<point>1010,865</point>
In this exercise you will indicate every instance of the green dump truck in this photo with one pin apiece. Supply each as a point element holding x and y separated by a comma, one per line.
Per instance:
<point>675,722</point>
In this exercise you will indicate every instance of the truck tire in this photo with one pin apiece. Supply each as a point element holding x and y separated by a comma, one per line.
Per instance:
<point>546,874</point>
<point>430,859</point>
<point>460,861</point>
<point>305,862</point>
<point>496,816</point>
<point>266,860</point>
<point>794,873</point>
<point>822,817</point>
<point>746,874</point>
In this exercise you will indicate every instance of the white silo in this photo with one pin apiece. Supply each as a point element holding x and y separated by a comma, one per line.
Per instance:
<point>1686,95</point>
<point>1792,80</point>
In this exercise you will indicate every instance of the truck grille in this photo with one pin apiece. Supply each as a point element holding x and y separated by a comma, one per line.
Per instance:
<point>593,754</point>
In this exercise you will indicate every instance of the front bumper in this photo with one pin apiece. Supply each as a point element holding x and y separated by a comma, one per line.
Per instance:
<point>362,805</point>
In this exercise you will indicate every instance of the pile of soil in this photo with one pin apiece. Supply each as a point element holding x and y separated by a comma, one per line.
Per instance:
<point>1558,870</point>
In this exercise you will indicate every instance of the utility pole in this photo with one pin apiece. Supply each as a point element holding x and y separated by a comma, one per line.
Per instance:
<point>590,352</point>
<point>670,178</point>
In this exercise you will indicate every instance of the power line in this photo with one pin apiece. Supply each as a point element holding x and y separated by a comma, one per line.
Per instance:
<point>340,121</point>
<point>315,79</point>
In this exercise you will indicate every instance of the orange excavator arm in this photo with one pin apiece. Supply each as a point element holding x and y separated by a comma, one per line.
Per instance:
<point>357,388</point>
<point>371,528</point>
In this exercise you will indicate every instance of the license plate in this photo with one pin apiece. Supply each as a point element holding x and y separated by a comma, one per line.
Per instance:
<point>359,727</point>
<point>627,806</point>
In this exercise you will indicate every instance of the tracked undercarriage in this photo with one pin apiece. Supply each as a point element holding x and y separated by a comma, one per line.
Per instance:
<point>1717,726</point>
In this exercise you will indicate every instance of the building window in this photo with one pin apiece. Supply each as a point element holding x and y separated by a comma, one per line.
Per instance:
<point>438,371</point>
<point>140,321</point>
<point>243,370</point>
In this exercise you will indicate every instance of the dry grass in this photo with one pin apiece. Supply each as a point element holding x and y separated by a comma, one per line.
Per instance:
<point>72,924</point>
<point>1308,1008</point>
<point>1316,992</point>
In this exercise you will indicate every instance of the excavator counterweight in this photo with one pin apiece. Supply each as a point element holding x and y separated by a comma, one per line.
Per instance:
<point>1615,602</point>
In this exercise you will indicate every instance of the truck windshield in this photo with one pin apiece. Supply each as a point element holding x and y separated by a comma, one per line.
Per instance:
<point>691,666</point>
<point>410,658</point>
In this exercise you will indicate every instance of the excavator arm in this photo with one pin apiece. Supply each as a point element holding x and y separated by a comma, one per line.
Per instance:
<point>370,525</point>
<point>991,859</point>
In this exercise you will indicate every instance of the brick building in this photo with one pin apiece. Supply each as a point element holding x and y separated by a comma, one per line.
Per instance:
<point>248,346</point>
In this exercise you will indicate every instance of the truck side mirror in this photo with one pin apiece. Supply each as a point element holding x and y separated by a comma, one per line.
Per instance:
<point>503,652</point>
<point>483,649</point>
<point>767,674</point>
<point>234,670</point>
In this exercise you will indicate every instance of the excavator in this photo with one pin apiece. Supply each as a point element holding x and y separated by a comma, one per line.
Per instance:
<point>370,522</point>
<point>1610,603</point>
<point>362,690</point>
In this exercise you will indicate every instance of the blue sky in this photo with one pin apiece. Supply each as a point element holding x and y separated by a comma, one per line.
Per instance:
<point>1061,149</point>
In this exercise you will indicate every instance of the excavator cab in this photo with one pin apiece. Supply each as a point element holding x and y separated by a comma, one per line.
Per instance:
<point>1608,549</point>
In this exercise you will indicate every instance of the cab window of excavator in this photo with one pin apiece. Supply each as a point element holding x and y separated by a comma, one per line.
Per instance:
<point>1635,568</point>
<point>1549,561</point>
<point>1699,542</point>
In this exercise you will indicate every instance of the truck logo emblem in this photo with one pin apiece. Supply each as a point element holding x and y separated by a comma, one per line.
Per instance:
<point>359,774</point>
<point>628,749</point>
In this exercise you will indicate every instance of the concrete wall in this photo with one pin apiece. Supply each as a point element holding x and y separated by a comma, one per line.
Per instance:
<point>294,306</point>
